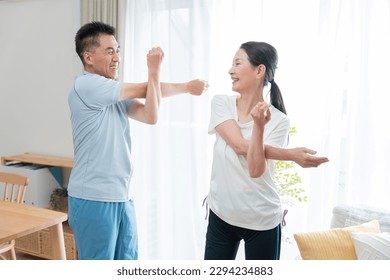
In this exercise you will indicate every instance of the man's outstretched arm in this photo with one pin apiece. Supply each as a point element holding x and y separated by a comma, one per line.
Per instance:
<point>138,90</point>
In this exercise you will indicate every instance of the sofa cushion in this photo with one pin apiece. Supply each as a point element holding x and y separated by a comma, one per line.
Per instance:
<point>372,246</point>
<point>332,244</point>
<point>345,215</point>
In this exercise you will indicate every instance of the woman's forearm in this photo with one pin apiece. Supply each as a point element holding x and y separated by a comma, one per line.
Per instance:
<point>277,153</point>
<point>257,162</point>
<point>304,157</point>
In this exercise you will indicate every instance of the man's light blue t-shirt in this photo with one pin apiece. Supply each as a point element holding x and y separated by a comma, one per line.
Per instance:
<point>102,166</point>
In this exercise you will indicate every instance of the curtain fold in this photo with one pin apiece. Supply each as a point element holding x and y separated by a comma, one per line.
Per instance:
<point>96,10</point>
<point>172,158</point>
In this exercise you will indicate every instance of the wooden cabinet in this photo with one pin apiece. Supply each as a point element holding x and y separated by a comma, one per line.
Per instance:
<point>39,243</point>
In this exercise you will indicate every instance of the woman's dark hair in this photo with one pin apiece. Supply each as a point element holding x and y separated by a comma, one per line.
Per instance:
<point>87,38</point>
<point>263,53</point>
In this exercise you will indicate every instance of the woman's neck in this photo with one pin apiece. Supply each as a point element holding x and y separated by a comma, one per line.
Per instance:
<point>245,103</point>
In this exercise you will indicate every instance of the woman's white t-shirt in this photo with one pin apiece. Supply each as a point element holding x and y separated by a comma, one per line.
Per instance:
<point>234,196</point>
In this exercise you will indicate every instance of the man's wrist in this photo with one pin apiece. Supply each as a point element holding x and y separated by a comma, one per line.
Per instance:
<point>186,87</point>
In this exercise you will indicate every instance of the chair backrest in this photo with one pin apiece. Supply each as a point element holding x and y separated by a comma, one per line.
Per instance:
<point>14,187</point>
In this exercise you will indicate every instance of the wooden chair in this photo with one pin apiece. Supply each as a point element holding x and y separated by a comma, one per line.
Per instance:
<point>12,188</point>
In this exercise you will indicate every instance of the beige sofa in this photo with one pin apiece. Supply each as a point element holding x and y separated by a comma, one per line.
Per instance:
<point>356,233</point>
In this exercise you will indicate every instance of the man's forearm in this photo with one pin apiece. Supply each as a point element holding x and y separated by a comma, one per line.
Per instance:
<point>152,99</point>
<point>171,89</point>
<point>138,90</point>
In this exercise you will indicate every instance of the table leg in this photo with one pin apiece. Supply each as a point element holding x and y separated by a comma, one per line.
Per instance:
<point>58,245</point>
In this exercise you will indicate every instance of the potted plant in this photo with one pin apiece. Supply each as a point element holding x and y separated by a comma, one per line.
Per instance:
<point>59,199</point>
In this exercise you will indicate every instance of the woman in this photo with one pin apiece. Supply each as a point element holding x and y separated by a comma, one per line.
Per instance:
<point>243,199</point>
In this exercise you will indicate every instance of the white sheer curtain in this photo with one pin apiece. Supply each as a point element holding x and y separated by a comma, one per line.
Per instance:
<point>333,57</point>
<point>355,39</point>
<point>172,158</point>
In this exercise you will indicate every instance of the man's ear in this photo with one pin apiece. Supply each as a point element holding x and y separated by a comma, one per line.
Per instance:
<point>88,58</point>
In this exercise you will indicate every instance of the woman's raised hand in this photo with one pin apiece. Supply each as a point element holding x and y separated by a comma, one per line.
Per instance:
<point>261,113</point>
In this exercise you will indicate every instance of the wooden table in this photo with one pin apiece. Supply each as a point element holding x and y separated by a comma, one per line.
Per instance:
<point>17,220</point>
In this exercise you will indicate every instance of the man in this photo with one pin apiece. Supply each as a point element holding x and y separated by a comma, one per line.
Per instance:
<point>101,212</point>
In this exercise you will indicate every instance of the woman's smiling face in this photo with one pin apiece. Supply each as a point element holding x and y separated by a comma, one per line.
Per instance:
<point>242,72</point>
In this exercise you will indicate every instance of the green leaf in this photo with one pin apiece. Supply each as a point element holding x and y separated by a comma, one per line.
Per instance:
<point>288,181</point>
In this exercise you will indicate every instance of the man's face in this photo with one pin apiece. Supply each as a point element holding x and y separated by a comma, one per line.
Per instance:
<point>105,59</point>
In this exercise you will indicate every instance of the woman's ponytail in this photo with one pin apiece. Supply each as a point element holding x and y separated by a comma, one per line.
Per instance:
<point>276,97</point>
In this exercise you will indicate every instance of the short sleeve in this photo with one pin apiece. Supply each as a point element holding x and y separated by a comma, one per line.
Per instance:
<point>279,135</point>
<point>97,91</point>
<point>222,109</point>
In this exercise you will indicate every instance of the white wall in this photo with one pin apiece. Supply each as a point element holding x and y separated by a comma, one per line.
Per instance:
<point>38,64</point>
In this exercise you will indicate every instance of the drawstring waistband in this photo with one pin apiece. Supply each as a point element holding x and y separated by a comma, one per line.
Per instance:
<point>283,217</point>
<point>207,207</point>
<point>205,204</point>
